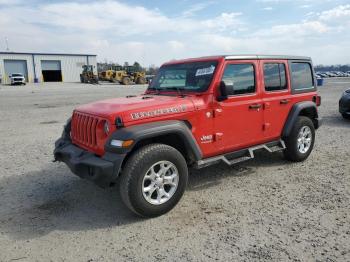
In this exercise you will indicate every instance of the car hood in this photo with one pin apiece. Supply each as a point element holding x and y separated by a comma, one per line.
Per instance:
<point>139,107</point>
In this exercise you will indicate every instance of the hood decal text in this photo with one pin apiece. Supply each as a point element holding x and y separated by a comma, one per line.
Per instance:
<point>158,112</point>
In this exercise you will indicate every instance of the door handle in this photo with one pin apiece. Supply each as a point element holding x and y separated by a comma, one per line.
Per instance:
<point>284,101</point>
<point>255,106</point>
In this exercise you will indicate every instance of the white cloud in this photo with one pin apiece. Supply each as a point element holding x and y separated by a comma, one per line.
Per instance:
<point>8,2</point>
<point>176,45</point>
<point>305,6</point>
<point>339,12</point>
<point>192,10</point>
<point>305,29</point>
<point>223,22</point>
<point>121,32</point>
<point>268,8</point>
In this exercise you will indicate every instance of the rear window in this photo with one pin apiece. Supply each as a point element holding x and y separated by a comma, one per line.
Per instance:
<point>302,77</point>
<point>275,77</point>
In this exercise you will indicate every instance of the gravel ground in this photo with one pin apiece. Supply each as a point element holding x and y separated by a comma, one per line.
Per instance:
<point>264,209</point>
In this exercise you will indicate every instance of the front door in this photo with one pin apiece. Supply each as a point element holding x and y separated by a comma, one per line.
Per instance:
<point>239,119</point>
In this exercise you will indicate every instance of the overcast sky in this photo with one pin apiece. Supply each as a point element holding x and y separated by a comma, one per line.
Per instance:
<point>153,32</point>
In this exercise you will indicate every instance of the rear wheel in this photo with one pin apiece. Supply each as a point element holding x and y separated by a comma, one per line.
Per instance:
<point>141,81</point>
<point>154,180</point>
<point>300,142</point>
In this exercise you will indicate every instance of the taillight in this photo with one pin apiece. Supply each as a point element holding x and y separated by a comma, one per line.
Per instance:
<point>317,100</point>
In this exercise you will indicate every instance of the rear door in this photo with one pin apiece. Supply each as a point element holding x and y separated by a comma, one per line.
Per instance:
<point>238,119</point>
<point>276,98</point>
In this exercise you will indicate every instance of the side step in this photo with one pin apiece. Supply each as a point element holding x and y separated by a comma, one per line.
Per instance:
<point>241,155</point>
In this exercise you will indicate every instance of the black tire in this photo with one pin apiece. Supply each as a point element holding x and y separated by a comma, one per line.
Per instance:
<point>126,81</point>
<point>346,116</point>
<point>134,171</point>
<point>141,81</point>
<point>292,151</point>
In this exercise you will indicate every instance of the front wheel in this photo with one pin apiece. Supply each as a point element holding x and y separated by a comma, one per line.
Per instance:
<point>126,80</point>
<point>153,180</point>
<point>301,140</point>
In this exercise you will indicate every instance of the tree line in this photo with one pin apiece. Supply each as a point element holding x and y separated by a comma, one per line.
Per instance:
<point>324,68</point>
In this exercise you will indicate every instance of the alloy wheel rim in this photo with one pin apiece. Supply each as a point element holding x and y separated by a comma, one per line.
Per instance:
<point>304,139</point>
<point>160,182</point>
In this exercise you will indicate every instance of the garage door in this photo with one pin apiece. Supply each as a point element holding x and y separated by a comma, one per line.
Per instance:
<point>16,66</point>
<point>51,70</point>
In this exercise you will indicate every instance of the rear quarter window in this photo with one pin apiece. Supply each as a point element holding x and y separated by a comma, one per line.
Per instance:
<point>302,77</point>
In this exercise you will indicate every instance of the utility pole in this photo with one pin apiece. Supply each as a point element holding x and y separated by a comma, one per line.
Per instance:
<point>7,44</point>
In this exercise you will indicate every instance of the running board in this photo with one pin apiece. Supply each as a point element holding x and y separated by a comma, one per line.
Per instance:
<point>241,155</point>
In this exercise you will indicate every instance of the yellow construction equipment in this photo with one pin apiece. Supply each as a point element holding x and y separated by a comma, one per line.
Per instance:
<point>88,76</point>
<point>123,75</point>
<point>106,75</point>
<point>138,77</point>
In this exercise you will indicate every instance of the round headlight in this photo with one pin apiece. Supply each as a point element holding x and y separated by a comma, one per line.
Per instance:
<point>106,127</point>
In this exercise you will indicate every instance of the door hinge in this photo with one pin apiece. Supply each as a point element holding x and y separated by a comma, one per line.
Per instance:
<point>266,126</point>
<point>267,105</point>
<point>217,112</point>
<point>218,136</point>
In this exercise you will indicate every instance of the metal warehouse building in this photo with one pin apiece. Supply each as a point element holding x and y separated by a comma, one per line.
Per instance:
<point>44,67</point>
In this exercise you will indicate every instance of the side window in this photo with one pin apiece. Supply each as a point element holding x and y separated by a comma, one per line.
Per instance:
<point>302,78</point>
<point>239,79</point>
<point>275,77</point>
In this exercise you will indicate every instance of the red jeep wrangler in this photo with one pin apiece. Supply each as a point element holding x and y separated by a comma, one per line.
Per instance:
<point>195,113</point>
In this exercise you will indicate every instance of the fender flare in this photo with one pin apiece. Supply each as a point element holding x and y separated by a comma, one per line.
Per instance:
<point>295,112</point>
<point>153,130</point>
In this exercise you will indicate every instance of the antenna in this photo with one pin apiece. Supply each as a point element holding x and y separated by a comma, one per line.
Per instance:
<point>7,44</point>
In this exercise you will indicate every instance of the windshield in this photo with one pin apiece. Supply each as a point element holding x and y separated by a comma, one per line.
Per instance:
<point>16,75</point>
<point>195,77</point>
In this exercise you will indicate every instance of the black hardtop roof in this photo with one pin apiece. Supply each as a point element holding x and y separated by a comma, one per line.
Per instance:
<point>287,57</point>
<point>241,57</point>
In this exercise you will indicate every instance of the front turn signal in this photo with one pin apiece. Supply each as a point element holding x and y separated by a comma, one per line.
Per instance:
<point>121,143</point>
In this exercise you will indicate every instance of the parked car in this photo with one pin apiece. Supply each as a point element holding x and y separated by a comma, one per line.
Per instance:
<point>220,109</point>
<point>329,74</point>
<point>323,75</point>
<point>17,79</point>
<point>344,104</point>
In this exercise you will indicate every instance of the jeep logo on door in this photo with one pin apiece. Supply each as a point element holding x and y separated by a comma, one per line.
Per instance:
<point>158,112</point>
<point>206,139</point>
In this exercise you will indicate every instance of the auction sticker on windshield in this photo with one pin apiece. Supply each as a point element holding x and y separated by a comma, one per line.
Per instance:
<point>205,71</point>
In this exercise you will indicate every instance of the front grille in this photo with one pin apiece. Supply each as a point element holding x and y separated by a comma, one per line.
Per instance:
<point>83,129</point>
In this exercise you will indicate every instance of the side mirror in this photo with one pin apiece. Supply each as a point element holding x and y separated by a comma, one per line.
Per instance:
<point>223,92</point>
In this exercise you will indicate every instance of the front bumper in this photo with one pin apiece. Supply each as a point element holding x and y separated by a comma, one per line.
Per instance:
<point>101,170</point>
<point>17,80</point>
